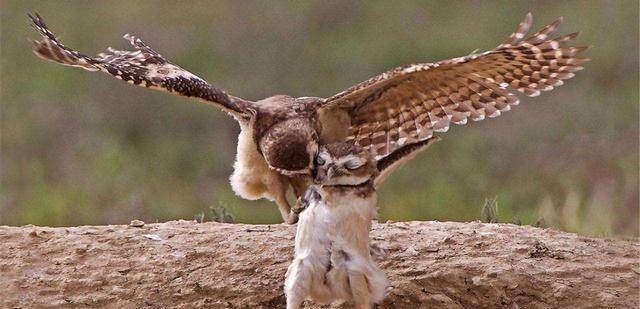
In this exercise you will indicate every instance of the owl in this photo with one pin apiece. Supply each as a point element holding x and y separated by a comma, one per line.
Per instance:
<point>279,136</point>
<point>332,249</point>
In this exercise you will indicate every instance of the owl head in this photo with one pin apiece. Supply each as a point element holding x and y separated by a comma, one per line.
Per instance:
<point>344,164</point>
<point>289,146</point>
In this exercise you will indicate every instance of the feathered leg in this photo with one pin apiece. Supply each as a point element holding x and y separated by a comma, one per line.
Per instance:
<point>285,209</point>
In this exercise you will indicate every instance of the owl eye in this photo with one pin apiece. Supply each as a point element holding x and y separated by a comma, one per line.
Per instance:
<point>354,164</point>
<point>320,161</point>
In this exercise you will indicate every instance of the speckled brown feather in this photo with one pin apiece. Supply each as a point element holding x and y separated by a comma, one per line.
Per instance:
<point>407,104</point>
<point>143,67</point>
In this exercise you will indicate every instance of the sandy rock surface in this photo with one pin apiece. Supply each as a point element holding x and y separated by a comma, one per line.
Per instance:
<point>183,264</point>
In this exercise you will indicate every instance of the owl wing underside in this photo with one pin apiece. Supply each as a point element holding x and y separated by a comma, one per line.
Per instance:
<point>143,67</point>
<point>399,157</point>
<point>408,104</point>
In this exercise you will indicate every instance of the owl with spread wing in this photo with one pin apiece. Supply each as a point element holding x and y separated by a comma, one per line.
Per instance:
<point>279,135</point>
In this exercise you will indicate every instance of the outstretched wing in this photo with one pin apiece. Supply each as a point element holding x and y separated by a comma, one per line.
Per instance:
<point>407,104</point>
<point>143,67</point>
<point>399,157</point>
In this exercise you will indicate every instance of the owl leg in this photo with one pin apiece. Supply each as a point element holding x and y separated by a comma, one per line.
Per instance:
<point>285,209</point>
<point>300,184</point>
<point>311,195</point>
<point>294,214</point>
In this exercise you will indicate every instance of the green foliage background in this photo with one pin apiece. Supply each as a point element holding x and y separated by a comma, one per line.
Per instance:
<point>84,148</point>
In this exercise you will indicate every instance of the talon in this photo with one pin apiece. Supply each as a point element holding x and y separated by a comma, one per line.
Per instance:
<point>293,218</point>
<point>299,208</point>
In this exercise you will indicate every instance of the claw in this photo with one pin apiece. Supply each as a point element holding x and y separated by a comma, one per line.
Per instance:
<point>293,217</point>
<point>301,204</point>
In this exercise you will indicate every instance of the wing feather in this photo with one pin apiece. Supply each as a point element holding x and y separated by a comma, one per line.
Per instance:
<point>411,102</point>
<point>398,158</point>
<point>143,67</point>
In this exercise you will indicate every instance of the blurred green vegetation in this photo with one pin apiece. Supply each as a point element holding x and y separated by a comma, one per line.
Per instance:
<point>84,148</point>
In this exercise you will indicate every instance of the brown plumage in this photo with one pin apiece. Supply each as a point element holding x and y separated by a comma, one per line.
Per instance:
<point>280,135</point>
<point>409,103</point>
